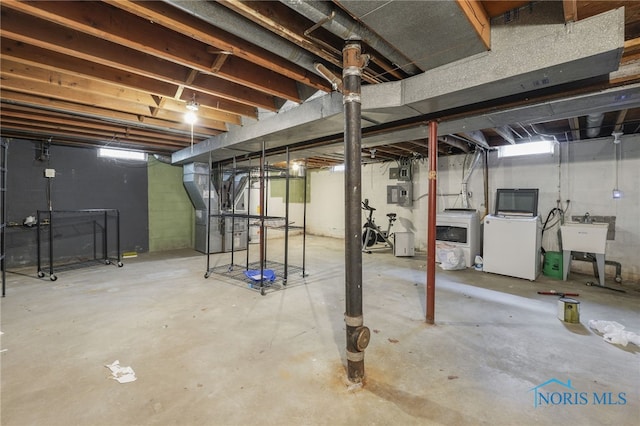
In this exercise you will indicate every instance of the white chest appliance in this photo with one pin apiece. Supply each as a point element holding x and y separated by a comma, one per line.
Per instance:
<point>513,236</point>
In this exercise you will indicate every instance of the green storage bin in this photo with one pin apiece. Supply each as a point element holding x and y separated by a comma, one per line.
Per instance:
<point>552,266</point>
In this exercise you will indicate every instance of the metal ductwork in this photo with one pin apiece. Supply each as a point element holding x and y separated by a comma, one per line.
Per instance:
<point>594,124</point>
<point>592,48</point>
<point>456,143</point>
<point>196,180</point>
<point>213,232</point>
<point>225,19</point>
<point>346,28</point>
<point>506,133</point>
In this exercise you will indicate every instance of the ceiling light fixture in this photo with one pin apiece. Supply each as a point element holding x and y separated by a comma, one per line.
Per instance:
<point>191,117</point>
<point>192,107</point>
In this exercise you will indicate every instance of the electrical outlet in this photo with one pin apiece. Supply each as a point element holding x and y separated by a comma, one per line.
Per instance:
<point>49,173</point>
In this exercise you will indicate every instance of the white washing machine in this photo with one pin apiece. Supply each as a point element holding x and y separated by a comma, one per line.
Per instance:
<point>512,246</point>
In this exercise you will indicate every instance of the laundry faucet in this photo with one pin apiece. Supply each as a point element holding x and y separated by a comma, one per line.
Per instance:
<point>587,218</point>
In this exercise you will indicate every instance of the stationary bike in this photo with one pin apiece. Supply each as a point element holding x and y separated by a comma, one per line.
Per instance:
<point>372,233</point>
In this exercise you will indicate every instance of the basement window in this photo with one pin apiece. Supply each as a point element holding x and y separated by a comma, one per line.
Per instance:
<point>338,168</point>
<point>528,148</point>
<point>122,154</point>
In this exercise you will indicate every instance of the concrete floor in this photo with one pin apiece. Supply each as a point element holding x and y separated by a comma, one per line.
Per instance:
<point>213,352</point>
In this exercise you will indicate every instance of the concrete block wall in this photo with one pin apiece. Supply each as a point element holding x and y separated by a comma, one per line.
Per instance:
<point>171,214</point>
<point>582,172</point>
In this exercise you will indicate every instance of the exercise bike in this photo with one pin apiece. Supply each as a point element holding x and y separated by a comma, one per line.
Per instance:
<point>372,233</point>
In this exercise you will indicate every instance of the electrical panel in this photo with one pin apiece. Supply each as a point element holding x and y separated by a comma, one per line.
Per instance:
<point>405,194</point>
<point>393,173</point>
<point>404,171</point>
<point>392,194</point>
<point>400,194</point>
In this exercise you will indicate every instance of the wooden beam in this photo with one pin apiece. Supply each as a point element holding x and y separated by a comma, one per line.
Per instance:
<point>183,23</point>
<point>86,111</point>
<point>570,8</point>
<point>54,61</point>
<point>477,16</point>
<point>28,114</point>
<point>620,120</point>
<point>114,25</point>
<point>91,133</point>
<point>219,60</point>
<point>26,29</point>
<point>574,125</point>
<point>90,92</point>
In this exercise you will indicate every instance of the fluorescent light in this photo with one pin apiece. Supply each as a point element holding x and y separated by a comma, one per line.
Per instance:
<point>528,148</point>
<point>121,154</point>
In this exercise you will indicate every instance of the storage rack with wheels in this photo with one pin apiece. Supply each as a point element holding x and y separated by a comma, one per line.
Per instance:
<point>264,222</point>
<point>63,224</point>
<point>4,149</point>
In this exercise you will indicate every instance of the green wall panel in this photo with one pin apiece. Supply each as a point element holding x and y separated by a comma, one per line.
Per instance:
<point>171,214</point>
<point>296,189</point>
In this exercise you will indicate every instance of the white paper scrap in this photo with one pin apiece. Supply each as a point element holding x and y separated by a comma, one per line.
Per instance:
<point>121,374</point>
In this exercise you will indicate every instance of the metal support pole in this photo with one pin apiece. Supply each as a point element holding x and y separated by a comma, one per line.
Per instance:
<point>304,221</point>
<point>208,217</point>
<point>50,243</point>
<point>248,216</point>
<point>104,238</point>
<point>286,219</point>
<point>262,213</point>
<point>118,236</point>
<point>431,221</point>
<point>95,249</point>
<point>357,334</point>
<point>233,211</point>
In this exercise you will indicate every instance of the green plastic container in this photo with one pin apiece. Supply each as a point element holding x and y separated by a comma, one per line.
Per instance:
<point>552,266</point>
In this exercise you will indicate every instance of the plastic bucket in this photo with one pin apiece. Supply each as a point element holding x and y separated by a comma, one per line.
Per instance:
<point>552,266</point>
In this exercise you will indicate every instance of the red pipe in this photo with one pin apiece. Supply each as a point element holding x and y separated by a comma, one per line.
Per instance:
<point>431,222</point>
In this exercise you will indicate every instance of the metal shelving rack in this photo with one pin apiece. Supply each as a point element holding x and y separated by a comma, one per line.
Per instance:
<point>4,150</point>
<point>46,219</point>
<point>261,220</point>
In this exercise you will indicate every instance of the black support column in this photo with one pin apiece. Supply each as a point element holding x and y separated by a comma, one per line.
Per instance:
<point>357,334</point>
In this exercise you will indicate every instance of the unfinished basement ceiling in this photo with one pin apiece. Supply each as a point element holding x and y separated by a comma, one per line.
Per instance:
<point>120,73</point>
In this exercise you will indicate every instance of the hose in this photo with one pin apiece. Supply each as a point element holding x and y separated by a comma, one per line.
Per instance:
<point>546,225</point>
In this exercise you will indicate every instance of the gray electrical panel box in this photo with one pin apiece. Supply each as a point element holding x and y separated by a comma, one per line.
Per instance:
<point>400,194</point>
<point>404,173</point>
<point>392,194</point>
<point>405,194</point>
<point>393,173</point>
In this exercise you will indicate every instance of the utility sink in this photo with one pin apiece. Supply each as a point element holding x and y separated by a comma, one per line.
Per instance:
<point>585,237</point>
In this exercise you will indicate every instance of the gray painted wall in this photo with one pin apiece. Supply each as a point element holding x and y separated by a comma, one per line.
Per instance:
<point>82,181</point>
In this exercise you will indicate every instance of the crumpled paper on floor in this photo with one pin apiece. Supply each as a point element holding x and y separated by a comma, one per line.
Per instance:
<point>121,374</point>
<point>614,332</point>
